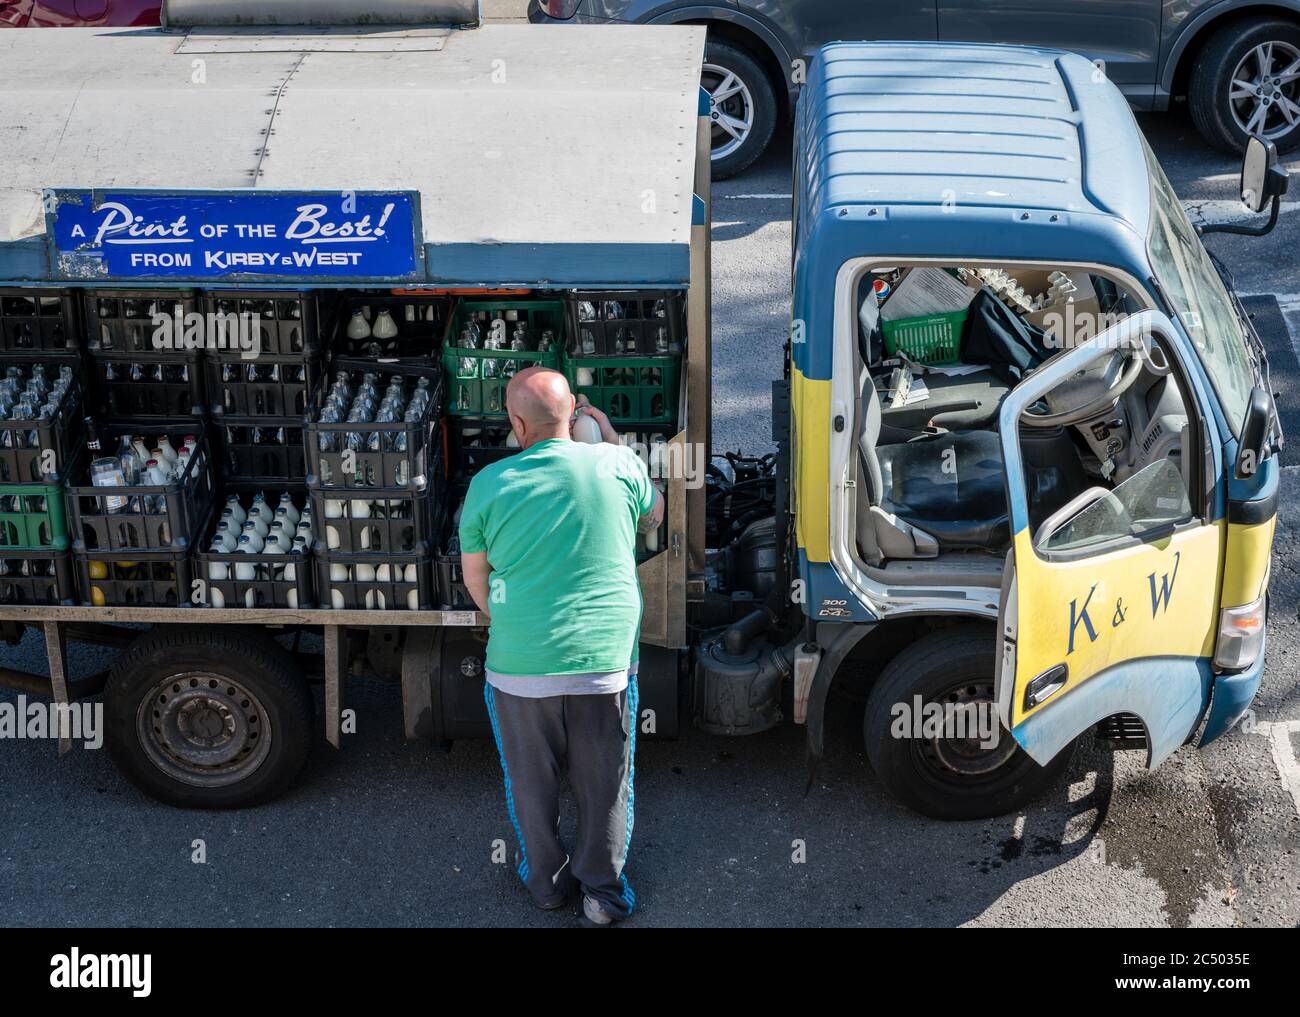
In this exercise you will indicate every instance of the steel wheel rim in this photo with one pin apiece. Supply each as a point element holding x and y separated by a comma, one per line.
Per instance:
<point>1264,91</point>
<point>958,759</point>
<point>731,108</point>
<point>204,730</point>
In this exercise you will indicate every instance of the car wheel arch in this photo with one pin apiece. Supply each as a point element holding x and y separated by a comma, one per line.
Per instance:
<point>1177,65</point>
<point>747,31</point>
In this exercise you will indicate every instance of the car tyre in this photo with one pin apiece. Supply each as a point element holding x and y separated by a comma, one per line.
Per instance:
<point>744,107</point>
<point>1235,53</point>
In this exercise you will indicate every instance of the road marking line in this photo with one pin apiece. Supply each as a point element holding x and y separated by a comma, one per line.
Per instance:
<point>755,197</point>
<point>1284,757</point>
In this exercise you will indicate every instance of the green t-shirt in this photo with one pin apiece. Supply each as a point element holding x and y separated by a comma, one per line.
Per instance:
<point>558,522</point>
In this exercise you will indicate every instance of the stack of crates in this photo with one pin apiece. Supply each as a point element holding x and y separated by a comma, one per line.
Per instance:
<point>38,346</point>
<point>377,490</point>
<point>139,364</point>
<point>489,341</point>
<point>258,395</point>
<point>275,578</point>
<point>258,389</point>
<point>624,353</point>
<point>132,543</point>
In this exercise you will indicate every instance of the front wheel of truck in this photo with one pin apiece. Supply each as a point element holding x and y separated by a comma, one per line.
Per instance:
<point>933,737</point>
<point>208,719</point>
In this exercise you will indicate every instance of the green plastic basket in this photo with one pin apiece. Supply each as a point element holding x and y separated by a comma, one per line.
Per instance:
<point>933,339</point>
<point>477,378</point>
<point>32,518</point>
<point>631,390</point>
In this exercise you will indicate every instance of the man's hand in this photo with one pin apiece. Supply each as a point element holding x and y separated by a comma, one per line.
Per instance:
<point>607,431</point>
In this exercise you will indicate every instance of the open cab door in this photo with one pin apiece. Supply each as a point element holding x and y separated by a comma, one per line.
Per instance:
<point>1110,604</point>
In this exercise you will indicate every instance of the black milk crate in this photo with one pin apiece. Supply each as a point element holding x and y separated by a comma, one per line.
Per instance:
<point>393,455</point>
<point>261,449</point>
<point>157,385</point>
<point>38,321</point>
<point>286,322</point>
<point>472,445</point>
<point>123,321</point>
<point>422,320</point>
<point>366,522</point>
<point>152,517</point>
<point>240,579</point>
<point>453,594</point>
<point>37,577</point>
<point>367,581</point>
<point>613,323</point>
<point>263,386</point>
<point>135,578</point>
<point>41,451</point>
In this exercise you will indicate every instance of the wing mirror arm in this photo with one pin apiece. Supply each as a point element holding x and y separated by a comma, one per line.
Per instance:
<point>1263,180</point>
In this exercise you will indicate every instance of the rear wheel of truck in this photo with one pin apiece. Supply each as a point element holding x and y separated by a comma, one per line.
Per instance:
<point>949,758</point>
<point>208,719</point>
<point>1247,81</point>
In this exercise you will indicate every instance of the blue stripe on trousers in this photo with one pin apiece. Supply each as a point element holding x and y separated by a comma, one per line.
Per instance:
<point>633,704</point>
<point>505,771</point>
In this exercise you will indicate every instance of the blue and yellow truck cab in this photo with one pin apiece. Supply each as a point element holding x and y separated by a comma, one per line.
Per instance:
<point>1031,433</point>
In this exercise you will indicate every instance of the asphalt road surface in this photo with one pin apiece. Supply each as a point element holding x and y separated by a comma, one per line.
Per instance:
<point>396,833</point>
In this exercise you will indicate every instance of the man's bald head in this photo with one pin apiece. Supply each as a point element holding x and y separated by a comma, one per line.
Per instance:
<point>540,397</point>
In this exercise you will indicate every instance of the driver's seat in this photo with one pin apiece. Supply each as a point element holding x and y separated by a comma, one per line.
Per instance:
<point>937,492</point>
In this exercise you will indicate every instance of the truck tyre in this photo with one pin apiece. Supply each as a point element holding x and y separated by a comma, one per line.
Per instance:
<point>953,777</point>
<point>1247,81</point>
<point>208,719</point>
<point>742,107</point>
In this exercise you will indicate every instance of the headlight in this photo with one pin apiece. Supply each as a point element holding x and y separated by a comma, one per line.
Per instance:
<point>1241,636</point>
<point>562,9</point>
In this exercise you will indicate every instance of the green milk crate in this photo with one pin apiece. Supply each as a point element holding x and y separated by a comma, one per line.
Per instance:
<point>32,518</point>
<point>477,378</point>
<point>631,390</point>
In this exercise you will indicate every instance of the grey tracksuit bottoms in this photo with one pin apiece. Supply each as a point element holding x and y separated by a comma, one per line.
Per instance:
<point>596,735</point>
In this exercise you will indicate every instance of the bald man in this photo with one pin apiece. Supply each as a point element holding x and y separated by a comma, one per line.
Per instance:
<point>548,542</point>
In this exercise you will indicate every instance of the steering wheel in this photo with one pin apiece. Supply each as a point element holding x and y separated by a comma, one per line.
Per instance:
<point>1139,357</point>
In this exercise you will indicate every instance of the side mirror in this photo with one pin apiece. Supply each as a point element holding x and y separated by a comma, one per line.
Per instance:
<point>1262,176</point>
<point>1263,182</point>
<point>1253,446</point>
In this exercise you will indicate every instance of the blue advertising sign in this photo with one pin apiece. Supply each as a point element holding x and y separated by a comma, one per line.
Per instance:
<point>235,235</point>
